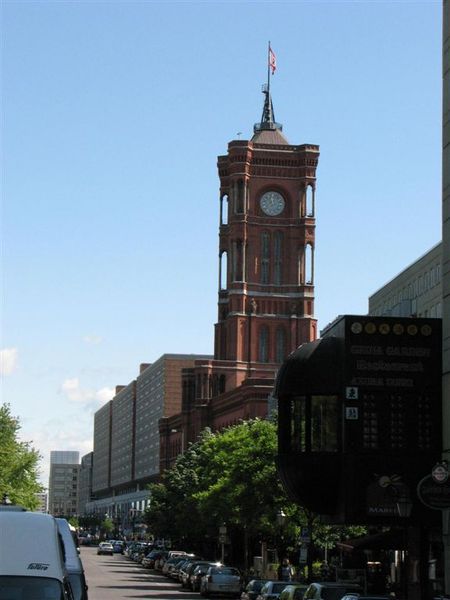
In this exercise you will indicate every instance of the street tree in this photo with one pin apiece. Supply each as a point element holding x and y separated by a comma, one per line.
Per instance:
<point>19,463</point>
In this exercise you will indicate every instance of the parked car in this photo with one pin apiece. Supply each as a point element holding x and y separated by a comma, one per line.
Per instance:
<point>195,578</point>
<point>252,589</point>
<point>105,548</point>
<point>150,559</point>
<point>189,568</point>
<point>221,580</point>
<point>182,574</point>
<point>174,573</point>
<point>326,590</point>
<point>293,591</point>
<point>271,590</point>
<point>74,566</point>
<point>169,564</point>
<point>118,547</point>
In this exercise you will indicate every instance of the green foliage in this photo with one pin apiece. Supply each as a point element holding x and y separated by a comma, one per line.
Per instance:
<point>230,477</point>
<point>18,463</point>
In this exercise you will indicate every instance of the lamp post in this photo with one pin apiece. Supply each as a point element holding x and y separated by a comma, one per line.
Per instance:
<point>222,540</point>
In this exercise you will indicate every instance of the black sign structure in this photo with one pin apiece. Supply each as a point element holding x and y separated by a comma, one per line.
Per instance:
<point>360,420</point>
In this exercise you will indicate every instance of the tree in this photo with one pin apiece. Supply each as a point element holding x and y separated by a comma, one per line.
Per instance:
<point>18,463</point>
<point>225,477</point>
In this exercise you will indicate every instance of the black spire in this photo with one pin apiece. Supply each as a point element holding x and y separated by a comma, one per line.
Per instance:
<point>268,116</point>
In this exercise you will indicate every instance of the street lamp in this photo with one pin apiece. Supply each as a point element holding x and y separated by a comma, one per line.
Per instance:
<point>222,540</point>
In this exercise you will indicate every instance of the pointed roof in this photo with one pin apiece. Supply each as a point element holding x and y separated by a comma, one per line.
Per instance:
<point>268,131</point>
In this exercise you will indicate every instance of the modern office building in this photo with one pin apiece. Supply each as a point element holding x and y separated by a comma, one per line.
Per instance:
<point>63,483</point>
<point>415,292</point>
<point>126,453</point>
<point>42,497</point>
<point>85,482</point>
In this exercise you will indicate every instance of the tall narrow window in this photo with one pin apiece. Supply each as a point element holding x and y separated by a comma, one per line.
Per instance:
<point>264,344</point>
<point>224,210</point>
<point>280,350</point>
<point>223,270</point>
<point>309,201</point>
<point>277,254</point>
<point>309,266</point>
<point>265,257</point>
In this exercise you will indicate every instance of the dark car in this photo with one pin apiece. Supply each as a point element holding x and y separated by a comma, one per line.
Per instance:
<point>326,590</point>
<point>196,575</point>
<point>252,589</point>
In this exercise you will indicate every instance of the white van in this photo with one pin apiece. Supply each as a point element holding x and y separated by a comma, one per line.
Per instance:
<point>74,566</point>
<point>31,558</point>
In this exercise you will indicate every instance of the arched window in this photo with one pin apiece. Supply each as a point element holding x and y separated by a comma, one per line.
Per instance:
<point>223,268</point>
<point>280,349</point>
<point>277,257</point>
<point>263,344</point>
<point>224,210</point>
<point>265,257</point>
<point>309,201</point>
<point>309,265</point>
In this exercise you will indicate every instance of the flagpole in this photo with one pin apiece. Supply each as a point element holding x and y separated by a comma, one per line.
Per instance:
<point>268,68</point>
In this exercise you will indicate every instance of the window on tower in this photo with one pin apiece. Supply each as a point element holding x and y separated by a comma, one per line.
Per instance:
<point>309,201</point>
<point>223,267</point>
<point>265,257</point>
<point>224,210</point>
<point>263,344</point>
<point>277,252</point>
<point>280,350</point>
<point>309,271</point>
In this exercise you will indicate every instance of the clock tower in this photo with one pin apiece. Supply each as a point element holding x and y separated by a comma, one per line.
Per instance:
<point>266,247</point>
<point>266,283</point>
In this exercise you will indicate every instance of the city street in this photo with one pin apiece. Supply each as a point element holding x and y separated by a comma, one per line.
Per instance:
<point>117,577</point>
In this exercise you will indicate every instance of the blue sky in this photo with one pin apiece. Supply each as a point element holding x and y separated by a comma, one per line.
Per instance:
<point>113,115</point>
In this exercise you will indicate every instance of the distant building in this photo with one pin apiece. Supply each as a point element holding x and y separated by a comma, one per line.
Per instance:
<point>85,482</point>
<point>63,483</point>
<point>415,292</point>
<point>43,502</point>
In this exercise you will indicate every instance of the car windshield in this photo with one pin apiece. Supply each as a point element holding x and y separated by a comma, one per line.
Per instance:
<point>30,588</point>
<point>227,571</point>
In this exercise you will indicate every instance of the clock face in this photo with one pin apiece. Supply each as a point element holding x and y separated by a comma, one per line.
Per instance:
<point>272,203</point>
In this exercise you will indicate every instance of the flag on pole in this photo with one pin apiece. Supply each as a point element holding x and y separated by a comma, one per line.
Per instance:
<point>272,60</point>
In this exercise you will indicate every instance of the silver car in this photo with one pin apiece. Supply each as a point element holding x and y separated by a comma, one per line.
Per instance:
<point>221,580</point>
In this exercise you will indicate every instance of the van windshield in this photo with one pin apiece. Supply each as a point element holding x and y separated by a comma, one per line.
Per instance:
<point>30,588</point>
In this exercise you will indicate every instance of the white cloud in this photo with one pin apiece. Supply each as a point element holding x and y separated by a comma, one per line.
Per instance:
<point>93,339</point>
<point>8,360</point>
<point>75,393</point>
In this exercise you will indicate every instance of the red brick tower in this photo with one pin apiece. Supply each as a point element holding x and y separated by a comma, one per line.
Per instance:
<point>266,283</point>
<point>267,226</point>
